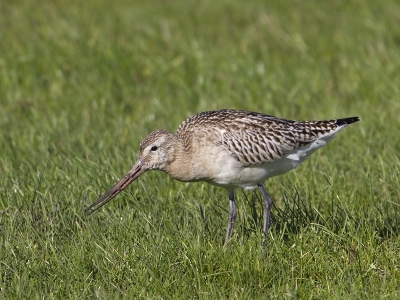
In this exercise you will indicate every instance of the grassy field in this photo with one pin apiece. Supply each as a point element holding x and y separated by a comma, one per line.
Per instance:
<point>82,82</point>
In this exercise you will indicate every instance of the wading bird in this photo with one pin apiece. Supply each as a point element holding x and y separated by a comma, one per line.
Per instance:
<point>230,149</point>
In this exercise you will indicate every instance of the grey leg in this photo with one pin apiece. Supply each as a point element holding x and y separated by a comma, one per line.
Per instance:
<point>232,214</point>
<point>267,204</point>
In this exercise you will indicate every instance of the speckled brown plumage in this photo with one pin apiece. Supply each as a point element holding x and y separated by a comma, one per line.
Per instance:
<point>230,149</point>
<point>255,138</point>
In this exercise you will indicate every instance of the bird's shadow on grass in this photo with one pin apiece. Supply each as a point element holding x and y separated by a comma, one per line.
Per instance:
<point>295,212</point>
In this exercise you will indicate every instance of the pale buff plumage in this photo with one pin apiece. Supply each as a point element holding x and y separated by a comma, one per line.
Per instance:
<point>230,149</point>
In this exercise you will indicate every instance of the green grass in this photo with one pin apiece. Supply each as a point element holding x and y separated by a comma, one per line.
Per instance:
<point>82,82</point>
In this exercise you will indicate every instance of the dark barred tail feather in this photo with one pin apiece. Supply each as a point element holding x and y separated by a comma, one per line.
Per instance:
<point>347,121</point>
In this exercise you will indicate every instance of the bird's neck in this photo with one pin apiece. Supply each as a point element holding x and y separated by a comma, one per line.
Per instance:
<point>181,167</point>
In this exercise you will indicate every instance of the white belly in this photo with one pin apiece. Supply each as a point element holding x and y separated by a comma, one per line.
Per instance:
<point>226,171</point>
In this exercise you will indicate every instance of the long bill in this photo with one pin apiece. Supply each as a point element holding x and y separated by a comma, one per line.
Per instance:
<point>137,170</point>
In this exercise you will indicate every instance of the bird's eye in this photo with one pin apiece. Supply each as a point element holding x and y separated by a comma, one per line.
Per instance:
<point>154,148</point>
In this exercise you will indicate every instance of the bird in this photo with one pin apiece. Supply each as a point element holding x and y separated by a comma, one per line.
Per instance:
<point>229,149</point>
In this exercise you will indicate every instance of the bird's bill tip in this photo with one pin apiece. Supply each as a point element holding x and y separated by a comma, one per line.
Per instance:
<point>137,170</point>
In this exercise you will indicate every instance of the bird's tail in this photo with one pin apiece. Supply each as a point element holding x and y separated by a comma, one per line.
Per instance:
<point>347,121</point>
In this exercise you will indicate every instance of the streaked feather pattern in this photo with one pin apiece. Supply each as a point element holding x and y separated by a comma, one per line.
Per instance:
<point>231,149</point>
<point>254,138</point>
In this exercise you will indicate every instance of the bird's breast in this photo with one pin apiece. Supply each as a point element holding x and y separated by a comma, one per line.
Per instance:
<point>218,166</point>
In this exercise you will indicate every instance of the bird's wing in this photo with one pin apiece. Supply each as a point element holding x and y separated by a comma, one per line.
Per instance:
<point>254,138</point>
<point>254,146</point>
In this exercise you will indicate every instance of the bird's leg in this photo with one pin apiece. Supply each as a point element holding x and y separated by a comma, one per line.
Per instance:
<point>267,204</point>
<point>231,215</point>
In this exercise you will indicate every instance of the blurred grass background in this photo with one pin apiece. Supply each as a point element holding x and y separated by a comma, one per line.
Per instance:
<point>82,82</point>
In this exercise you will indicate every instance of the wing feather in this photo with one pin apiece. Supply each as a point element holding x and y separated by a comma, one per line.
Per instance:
<point>254,138</point>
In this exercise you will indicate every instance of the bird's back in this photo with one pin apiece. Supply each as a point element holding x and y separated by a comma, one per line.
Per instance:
<point>254,138</point>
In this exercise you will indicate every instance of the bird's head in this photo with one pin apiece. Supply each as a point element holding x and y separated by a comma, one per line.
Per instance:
<point>157,150</point>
